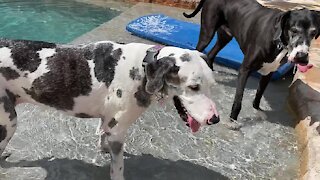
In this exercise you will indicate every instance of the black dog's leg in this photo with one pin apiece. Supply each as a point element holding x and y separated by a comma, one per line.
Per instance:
<point>236,107</point>
<point>242,80</point>
<point>223,39</point>
<point>209,25</point>
<point>264,81</point>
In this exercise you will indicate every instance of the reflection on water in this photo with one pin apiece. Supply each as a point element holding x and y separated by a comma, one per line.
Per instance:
<point>50,20</point>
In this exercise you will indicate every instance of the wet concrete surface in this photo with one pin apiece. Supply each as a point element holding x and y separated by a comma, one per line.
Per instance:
<point>49,145</point>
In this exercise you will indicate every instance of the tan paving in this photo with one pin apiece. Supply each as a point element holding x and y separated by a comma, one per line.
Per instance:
<point>291,4</point>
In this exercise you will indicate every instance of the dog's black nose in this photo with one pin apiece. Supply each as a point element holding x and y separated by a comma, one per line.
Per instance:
<point>214,120</point>
<point>302,57</point>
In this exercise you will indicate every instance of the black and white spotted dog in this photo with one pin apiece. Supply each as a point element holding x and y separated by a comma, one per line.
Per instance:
<point>107,80</point>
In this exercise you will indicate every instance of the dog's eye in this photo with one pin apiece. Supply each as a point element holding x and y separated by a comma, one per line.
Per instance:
<point>313,33</point>
<point>194,87</point>
<point>294,30</point>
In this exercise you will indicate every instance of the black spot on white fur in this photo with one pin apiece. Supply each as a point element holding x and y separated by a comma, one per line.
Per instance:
<point>113,122</point>
<point>143,98</point>
<point>3,133</point>
<point>88,52</point>
<point>106,59</point>
<point>119,93</point>
<point>9,104</point>
<point>185,58</point>
<point>69,77</point>
<point>116,147</point>
<point>12,97</point>
<point>24,53</point>
<point>134,74</point>
<point>8,73</point>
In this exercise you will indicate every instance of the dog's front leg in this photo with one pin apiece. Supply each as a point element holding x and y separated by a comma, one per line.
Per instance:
<point>264,81</point>
<point>236,107</point>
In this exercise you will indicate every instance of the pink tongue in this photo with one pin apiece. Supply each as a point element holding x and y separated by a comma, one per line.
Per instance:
<point>194,125</point>
<point>305,68</point>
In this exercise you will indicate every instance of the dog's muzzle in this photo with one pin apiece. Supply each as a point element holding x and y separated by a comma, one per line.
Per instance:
<point>302,58</point>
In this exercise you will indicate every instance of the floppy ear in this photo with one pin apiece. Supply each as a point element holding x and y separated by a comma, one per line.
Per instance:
<point>279,26</point>
<point>317,19</point>
<point>155,73</point>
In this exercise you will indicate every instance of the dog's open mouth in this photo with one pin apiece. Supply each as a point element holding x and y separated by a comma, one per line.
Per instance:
<point>304,67</point>
<point>185,116</point>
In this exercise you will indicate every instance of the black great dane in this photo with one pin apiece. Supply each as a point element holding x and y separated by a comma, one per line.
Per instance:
<point>266,36</point>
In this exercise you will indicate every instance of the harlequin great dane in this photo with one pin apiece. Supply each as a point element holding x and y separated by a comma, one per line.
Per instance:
<point>266,36</point>
<point>107,80</point>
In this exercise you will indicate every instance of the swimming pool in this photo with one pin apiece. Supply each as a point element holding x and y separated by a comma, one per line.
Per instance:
<point>58,21</point>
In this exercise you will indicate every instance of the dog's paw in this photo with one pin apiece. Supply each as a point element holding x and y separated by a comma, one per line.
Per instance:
<point>233,124</point>
<point>211,66</point>
<point>258,109</point>
<point>256,106</point>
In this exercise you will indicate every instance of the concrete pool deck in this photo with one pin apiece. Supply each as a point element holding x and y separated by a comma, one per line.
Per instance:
<point>49,145</point>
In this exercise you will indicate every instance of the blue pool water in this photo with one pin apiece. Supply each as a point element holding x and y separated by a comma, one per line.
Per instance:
<point>58,21</point>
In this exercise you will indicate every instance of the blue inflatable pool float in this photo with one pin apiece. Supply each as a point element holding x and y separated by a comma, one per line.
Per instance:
<point>169,31</point>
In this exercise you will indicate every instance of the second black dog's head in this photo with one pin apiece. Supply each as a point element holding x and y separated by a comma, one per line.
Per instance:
<point>295,29</point>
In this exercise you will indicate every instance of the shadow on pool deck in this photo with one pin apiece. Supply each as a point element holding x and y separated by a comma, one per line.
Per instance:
<point>275,94</point>
<point>144,167</point>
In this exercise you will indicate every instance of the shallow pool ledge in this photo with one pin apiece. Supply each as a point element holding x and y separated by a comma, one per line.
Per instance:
<point>304,101</point>
<point>189,4</point>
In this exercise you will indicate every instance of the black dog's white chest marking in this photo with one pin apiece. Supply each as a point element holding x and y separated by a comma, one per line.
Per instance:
<point>273,66</point>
